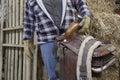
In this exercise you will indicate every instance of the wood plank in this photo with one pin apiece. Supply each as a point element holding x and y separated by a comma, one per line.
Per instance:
<point>6,63</point>
<point>12,64</point>
<point>1,39</point>
<point>13,37</point>
<point>20,64</point>
<point>17,12</point>
<point>18,36</point>
<point>24,5</point>
<point>10,14</point>
<point>9,58</point>
<point>7,13</point>
<point>28,68</point>
<point>6,56</point>
<point>24,67</point>
<point>34,74</point>
<point>17,39</point>
<point>10,38</point>
<point>12,45</point>
<point>21,39</point>
<point>21,11</point>
<point>9,62</point>
<point>13,13</point>
<point>7,38</point>
<point>16,56</point>
<point>11,28</point>
<point>1,54</point>
<point>12,55</point>
<point>16,64</point>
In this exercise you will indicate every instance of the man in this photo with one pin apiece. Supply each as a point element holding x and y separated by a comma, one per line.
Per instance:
<point>50,18</point>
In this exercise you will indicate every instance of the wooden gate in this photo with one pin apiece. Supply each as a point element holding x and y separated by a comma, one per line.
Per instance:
<point>14,65</point>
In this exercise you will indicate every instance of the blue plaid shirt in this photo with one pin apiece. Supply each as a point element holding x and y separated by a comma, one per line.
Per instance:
<point>37,19</point>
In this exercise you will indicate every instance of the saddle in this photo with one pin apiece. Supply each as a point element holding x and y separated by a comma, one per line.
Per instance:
<point>82,56</point>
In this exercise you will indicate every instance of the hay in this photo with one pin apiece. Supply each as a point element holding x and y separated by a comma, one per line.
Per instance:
<point>106,25</point>
<point>101,5</point>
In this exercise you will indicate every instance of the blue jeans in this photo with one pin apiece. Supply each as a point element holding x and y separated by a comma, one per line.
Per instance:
<point>49,60</point>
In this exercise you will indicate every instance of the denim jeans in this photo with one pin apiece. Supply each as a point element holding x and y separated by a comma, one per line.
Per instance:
<point>49,59</point>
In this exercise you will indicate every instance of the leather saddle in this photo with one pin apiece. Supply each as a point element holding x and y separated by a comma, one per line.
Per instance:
<point>79,56</point>
<point>68,53</point>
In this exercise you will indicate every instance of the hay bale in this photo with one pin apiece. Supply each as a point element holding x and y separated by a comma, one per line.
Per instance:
<point>101,5</point>
<point>106,25</point>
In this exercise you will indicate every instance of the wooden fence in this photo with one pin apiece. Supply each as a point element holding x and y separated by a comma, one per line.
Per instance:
<point>14,65</point>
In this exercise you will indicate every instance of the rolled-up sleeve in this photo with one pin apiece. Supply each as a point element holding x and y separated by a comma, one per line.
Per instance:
<point>29,22</point>
<point>82,8</point>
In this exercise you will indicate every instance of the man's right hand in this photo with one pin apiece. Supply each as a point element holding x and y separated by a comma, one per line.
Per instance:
<point>27,49</point>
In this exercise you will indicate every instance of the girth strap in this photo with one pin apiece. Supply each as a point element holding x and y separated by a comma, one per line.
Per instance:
<point>85,57</point>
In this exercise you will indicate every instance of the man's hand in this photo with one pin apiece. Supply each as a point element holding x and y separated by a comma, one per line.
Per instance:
<point>81,25</point>
<point>86,24</point>
<point>27,48</point>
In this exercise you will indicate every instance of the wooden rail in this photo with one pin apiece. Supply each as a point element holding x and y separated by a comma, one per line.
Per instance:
<point>14,62</point>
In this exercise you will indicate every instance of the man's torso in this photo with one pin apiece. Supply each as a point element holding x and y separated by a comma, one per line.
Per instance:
<point>54,8</point>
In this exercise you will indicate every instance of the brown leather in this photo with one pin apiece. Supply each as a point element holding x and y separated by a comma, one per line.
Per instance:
<point>74,27</point>
<point>60,38</point>
<point>70,66</point>
<point>99,53</point>
<point>100,61</point>
<point>69,60</point>
<point>72,30</point>
<point>74,45</point>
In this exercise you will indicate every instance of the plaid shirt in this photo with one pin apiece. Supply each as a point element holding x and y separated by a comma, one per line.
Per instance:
<point>37,19</point>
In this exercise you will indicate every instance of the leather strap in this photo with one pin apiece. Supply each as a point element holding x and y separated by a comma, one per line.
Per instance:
<point>85,58</point>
